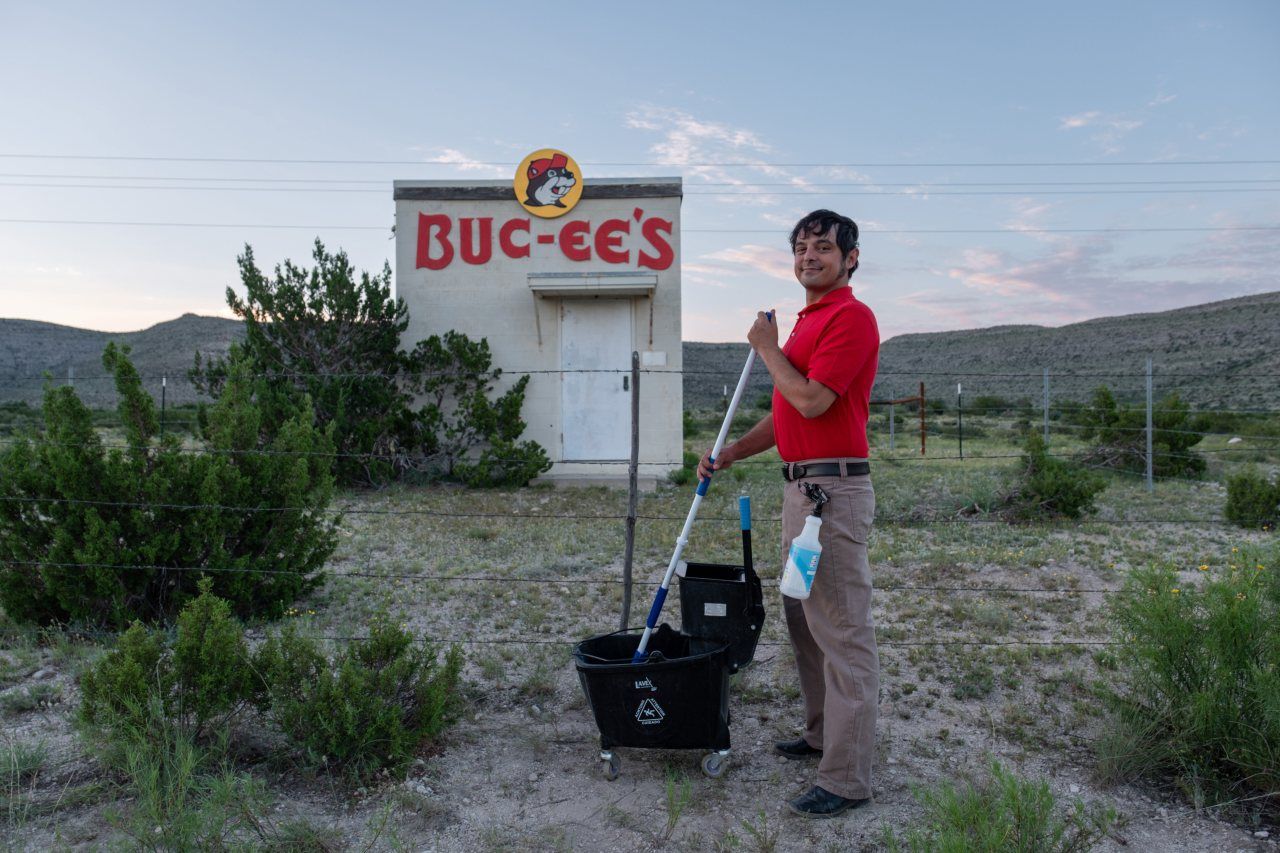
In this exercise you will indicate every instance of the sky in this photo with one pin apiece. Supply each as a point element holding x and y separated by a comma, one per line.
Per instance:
<point>1008,163</point>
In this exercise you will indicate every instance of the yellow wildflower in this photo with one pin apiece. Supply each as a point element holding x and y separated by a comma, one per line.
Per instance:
<point>1175,590</point>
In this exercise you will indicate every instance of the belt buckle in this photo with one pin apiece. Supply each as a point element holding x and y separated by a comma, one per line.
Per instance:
<point>798,471</point>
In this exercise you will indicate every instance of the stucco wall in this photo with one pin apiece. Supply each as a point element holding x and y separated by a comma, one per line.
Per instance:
<point>494,300</point>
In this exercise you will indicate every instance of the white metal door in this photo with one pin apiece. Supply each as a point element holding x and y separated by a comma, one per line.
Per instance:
<point>595,335</point>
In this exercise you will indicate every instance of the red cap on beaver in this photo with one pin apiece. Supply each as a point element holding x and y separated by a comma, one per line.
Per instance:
<point>537,167</point>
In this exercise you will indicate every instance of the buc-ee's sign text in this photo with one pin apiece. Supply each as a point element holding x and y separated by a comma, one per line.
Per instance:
<point>642,240</point>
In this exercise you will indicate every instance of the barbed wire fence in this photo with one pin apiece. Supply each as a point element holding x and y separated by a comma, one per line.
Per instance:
<point>1051,417</point>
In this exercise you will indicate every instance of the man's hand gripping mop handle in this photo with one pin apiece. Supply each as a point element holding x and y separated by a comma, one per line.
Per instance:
<point>683,538</point>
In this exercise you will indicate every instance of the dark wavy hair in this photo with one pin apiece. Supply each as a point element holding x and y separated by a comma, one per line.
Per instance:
<point>820,222</point>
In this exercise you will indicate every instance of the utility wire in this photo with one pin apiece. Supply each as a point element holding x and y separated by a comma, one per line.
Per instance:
<point>774,231</point>
<point>1004,164</point>
<point>686,193</point>
<point>737,184</point>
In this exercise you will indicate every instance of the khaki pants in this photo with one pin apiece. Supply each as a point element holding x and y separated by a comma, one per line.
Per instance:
<point>833,636</point>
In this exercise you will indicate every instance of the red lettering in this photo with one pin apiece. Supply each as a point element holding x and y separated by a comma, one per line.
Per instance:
<point>573,240</point>
<point>443,224</point>
<point>470,253</point>
<point>609,241</point>
<point>509,247</point>
<point>652,230</point>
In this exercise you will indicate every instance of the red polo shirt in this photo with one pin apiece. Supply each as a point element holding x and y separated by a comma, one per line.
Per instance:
<point>835,342</point>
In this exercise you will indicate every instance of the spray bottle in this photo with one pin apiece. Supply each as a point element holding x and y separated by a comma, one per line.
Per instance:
<point>802,562</point>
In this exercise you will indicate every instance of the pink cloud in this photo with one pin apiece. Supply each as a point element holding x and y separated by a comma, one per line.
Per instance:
<point>771,261</point>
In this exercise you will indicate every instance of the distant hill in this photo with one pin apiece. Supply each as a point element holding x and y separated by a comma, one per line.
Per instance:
<point>1219,355</point>
<point>28,349</point>
<point>1231,350</point>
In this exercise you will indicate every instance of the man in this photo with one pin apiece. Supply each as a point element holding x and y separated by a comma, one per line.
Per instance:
<point>822,382</point>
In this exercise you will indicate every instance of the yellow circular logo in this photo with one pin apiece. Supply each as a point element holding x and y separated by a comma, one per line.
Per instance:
<point>548,183</point>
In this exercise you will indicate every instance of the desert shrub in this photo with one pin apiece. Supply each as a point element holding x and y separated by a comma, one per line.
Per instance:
<point>688,470</point>
<point>991,404</point>
<point>334,337</point>
<point>1252,500</point>
<point>951,429</point>
<point>1197,698</point>
<point>180,794</point>
<point>1001,814</point>
<point>465,435</point>
<point>201,679</point>
<point>17,417</point>
<point>1049,487</point>
<point>370,708</point>
<point>97,535</point>
<point>1119,437</point>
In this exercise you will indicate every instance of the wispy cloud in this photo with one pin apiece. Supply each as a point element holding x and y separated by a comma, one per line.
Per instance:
<point>1109,129</point>
<point>772,261</point>
<point>703,149</point>
<point>461,161</point>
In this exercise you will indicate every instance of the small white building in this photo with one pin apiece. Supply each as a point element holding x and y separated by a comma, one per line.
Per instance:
<point>566,299</point>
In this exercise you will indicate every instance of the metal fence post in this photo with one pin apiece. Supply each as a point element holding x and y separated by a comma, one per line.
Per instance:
<point>1046,407</point>
<point>633,488</point>
<point>164,383</point>
<point>922,426</point>
<point>960,417</point>
<point>1151,466</point>
<point>891,426</point>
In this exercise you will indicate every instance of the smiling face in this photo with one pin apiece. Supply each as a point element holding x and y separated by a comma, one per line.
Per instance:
<point>552,186</point>
<point>820,265</point>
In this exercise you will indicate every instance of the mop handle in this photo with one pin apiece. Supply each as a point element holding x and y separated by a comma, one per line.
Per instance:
<point>660,598</point>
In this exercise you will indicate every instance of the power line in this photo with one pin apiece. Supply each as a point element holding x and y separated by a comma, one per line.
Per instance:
<point>774,231</point>
<point>746,191</point>
<point>1005,164</point>
<point>737,184</point>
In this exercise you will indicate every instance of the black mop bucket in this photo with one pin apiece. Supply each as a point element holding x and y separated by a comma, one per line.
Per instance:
<point>678,696</point>
<point>677,699</point>
<point>724,602</point>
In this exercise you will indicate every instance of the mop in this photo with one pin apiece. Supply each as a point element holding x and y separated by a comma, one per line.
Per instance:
<point>683,538</point>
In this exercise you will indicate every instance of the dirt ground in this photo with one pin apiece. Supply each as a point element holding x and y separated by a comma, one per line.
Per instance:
<point>521,771</point>
<point>967,676</point>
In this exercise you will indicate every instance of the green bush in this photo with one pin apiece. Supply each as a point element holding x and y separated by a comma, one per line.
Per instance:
<point>201,680</point>
<point>370,708</point>
<point>991,405</point>
<point>93,535</point>
<point>17,418</point>
<point>330,336</point>
<point>1198,693</point>
<point>1051,488</point>
<point>1120,439</point>
<point>1002,814</point>
<point>181,794</point>
<point>1252,500</point>
<point>688,470</point>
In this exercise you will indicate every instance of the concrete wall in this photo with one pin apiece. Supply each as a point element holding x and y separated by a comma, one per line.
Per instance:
<point>495,300</point>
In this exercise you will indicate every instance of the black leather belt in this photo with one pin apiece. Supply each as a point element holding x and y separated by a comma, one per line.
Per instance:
<point>796,471</point>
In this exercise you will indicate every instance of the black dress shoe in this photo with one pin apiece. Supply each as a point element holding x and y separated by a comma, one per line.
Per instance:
<point>794,749</point>
<point>819,802</point>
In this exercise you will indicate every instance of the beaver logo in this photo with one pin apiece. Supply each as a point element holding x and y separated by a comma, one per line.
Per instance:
<point>547,183</point>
